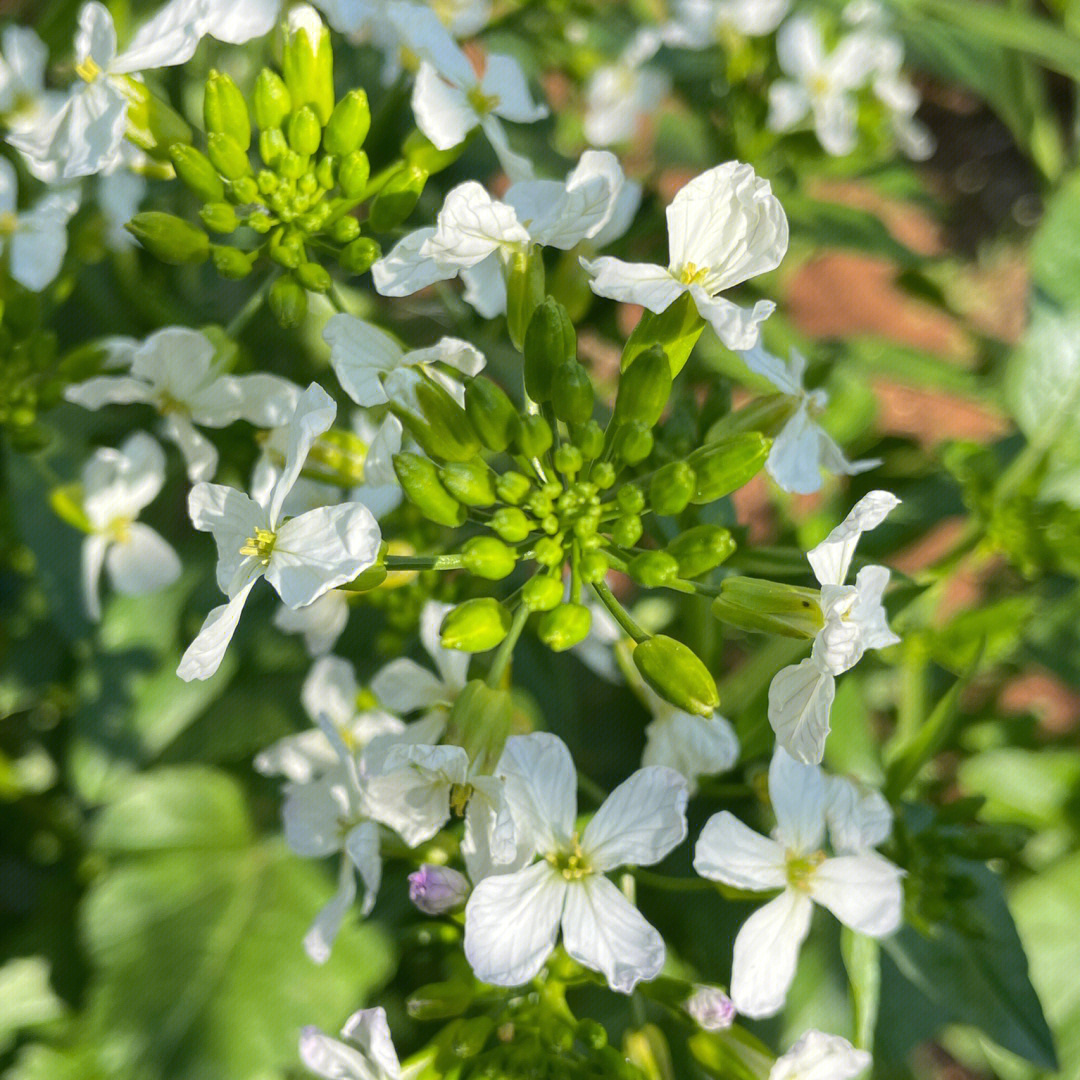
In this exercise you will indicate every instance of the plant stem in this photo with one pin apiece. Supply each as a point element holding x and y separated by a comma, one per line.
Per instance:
<point>424,562</point>
<point>240,320</point>
<point>618,612</point>
<point>671,884</point>
<point>506,649</point>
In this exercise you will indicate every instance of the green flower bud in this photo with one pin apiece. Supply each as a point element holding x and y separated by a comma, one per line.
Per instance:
<point>644,388</point>
<point>592,1033</point>
<point>524,292</point>
<point>769,607</point>
<point>358,256</point>
<point>469,1037</point>
<point>542,592</point>
<point>439,1001</point>
<point>677,674</point>
<point>723,467</point>
<point>418,149</point>
<point>152,124</point>
<point>66,501</point>
<point>419,479</point>
<point>492,413</point>
<point>198,175</point>
<point>226,156</point>
<point>700,549</point>
<point>475,626</point>
<point>626,531</point>
<point>572,393</point>
<point>589,439</point>
<point>326,172</point>
<point>676,330</point>
<point>287,248</point>
<point>397,199</point>
<point>224,110</point>
<point>434,419</point>
<point>534,437</point>
<point>652,569</point>
<point>549,342</point>
<point>230,262</point>
<point>511,487</point>
<point>304,131</point>
<point>349,124</point>
<point>671,488</point>
<point>170,238</point>
<point>487,557</point>
<point>261,223</point>
<point>480,721</point>
<point>568,460</point>
<point>564,626</point>
<point>288,302</point>
<point>353,174</point>
<point>633,442</point>
<point>470,482</point>
<point>345,229</point>
<point>512,524</point>
<point>630,499</point>
<point>219,217</point>
<point>292,165</point>
<point>271,99</point>
<point>267,181</point>
<point>273,146</point>
<point>314,277</point>
<point>549,552</point>
<point>594,566</point>
<point>307,61</point>
<point>603,475</point>
<point>243,191</point>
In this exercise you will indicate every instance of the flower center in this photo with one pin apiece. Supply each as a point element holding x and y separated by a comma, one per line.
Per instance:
<point>572,863</point>
<point>8,223</point>
<point>459,798</point>
<point>88,70</point>
<point>261,545</point>
<point>690,274</point>
<point>166,404</point>
<point>482,103</point>
<point>801,868</point>
<point>819,85</point>
<point>119,530</point>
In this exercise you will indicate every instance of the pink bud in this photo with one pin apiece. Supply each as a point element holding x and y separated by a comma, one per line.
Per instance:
<point>436,890</point>
<point>711,1008</point>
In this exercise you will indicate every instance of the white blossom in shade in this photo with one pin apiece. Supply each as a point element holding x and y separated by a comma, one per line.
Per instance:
<point>449,99</point>
<point>476,235</point>
<point>176,371</point>
<point>33,242</point>
<point>512,920</point>
<point>381,490</point>
<point>803,447</point>
<point>697,24</point>
<point>306,494</point>
<point>817,1056</point>
<point>859,816</point>
<point>366,1054</point>
<point>724,227</point>
<point>711,1008</point>
<point>24,100</point>
<point>436,890</point>
<point>619,96</point>
<point>83,134</point>
<point>693,746</point>
<point>801,695</point>
<point>820,84</point>
<point>301,557</point>
<point>362,354</point>
<point>863,891</point>
<point>117,485</point>
<point>320,623</point>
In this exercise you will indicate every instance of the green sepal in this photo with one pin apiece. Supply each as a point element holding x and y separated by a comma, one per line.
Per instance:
<point>769,607</point>
<point>564,626</point>
<point>475,626</point>
<point>700,549</point>
<point>153,125</point>
<point>493,414</point>
<point>418,149</point>
<point>366,580</point>
<point>677,674</point>
<point>524,292</point>
<point>169,238</point>
<point>676,330</point>
<point>480,720</point>
<point>726,465</point>
<point>434,419</point>
<point>766,414</point>
<point>67,503</point>
<point>419,479</point>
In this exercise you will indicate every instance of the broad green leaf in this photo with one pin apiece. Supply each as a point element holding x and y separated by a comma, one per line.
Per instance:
<point>1025,787</point>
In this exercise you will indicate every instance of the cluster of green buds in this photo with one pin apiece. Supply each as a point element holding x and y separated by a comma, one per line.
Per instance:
<point>298,201</point>
<point>554,489</point>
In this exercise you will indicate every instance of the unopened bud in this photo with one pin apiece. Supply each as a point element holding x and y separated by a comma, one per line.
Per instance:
<point>434,419</point>
<point>512,524</point>
<point>315,277</point>
<point>219,217</point>
<point>492,413</point>
<point>353,174</point>
<point>226,156</point>
<point>347,229</point>
<point>488,557</point>
<point>725,466</point>
<point>308,61</point>
<point>676,673</point>
<point>273,146</point>
<point>524,292</point>
<point>480,721</point>
<point>769,607</point>
<point>224,110</point>
<point>644,388</point>
<point>513,487</point>
<point>360,254</point>
<point>304,131</point>
<point>230,262</point>
<point>288,301</point>
<point>711,1008</point>
<point>671,488</point>
<point>349,124</point>
<point>198,175</point>
<point>653,569</point>
<point>676,330</point>
<point>648,1052</point>
<point>594,567</point>
<point>550,341</point>
<point>700,549</point>
<point>542,592</point>
<point>565,626</point>
<point>419,479</point>
<point>476,625</point>
<point>439,1001</point>
<point>572,393</point>
<point>271,99</point>
<point>170,238</point>
<point>435,890</point>
<point>470,482</point>
<point>626,531</point>
<point>534,437</point>
<point>633,442</point>
<point>589,439</point>
<point>398,198</point>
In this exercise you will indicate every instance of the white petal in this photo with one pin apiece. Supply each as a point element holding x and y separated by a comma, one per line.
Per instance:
<point>640,821</point>
<point>263,400</point>
<point>835,117</point>
<point>794,461</point>
<point>369,1030</point>
<point>797,793</point>
<point>485,287</point>
<point>403,686</point>
<point>96,37</point>
<point>735,326</point>
<point>453,666</point>
<point>405,270</point>
<point>360,354</point>
<point>443,112</point>
<point>869,612</point>
<point>362,848</point>
<point>331,689</point>
<point>322,549</point>
<point>299,758</point>
<point>623,211</point>
<point>516,166</point>
<point>730,851</point>
<point>471,225</point>
<point>107,390</point>
<point>379,460</point>
<point>204,655</point>
<point>817,1056</point>
<point>766,952</point>
<point>862,891</point>
<point>142,563</point>
<point>799,47</point>
<point>693,745</point>
<point>788,104</point>
<point>511,923</point>
<point>787,379</point>
<point>176,359</point>
<point>232,518</point>
<point>314,415</point>
<point>200,454</point>
<point>452,351</point>
<point>605,932</point>
<point>37,249</point>
<point>504,79</point>
<point>423,33</point>
<point>833,459</point>
<point>800,698</point>
<point>119,483</point>
<point>859,817</point>
<point>651,286</point>
<point>331,1059</point>
<point>831,558</point>
<point>93,558</point>
<point>541,786</point>
<point>239,21</point>
<point>321,622</point>
<point>170,37</point>
<point>319,940</point>
<point>412,796</point>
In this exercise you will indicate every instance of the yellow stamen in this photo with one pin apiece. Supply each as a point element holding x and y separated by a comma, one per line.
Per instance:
<point>691,275</point>
<point>573,864</point>
<point>88,70</point>
<point>800,869</point>
<point>119,530</point>
<point>8,223</point>
<point>260,546</point>
<point>481,102</point>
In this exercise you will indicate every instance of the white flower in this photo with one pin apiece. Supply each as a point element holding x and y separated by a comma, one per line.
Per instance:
<point>24,101</point>
<point>863,891</point>
<point>618,96</point>
<point>381,491</point>
<point>801,695</point>
<point>83,135</point>
<point>321,622</point>
<point>803,447</point>
<point>117,485</point>
<point>859,817</point>
<point>692,745</point>
<point>512,920</point>
<point>724,227</point>
<point>462,18</point>
<point>119,194</point>
<point>449,100</point>
<point>34,241</point>
<point>820,84</point>
<point>174,370</point>
<point>369,1055</point>
<point>697,24</point>
<point>301,557</point>
<point>817,1056</point>
<point>361,354</point>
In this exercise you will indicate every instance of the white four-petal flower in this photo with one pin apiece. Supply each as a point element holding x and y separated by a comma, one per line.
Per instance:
<point>697,24</point>
<point>512,921</point>
<point>724,227</point>
<point>863,891</point>
<point>34,241</point>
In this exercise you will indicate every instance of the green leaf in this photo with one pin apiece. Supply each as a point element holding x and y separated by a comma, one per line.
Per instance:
<point>862,960</point>
<point>980,977</point>
<point>1025,787</point>
<point>26,998</point>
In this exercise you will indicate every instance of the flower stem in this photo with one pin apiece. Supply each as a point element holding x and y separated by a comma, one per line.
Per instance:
<point>671,884</point>
<point>239,321</point>
<point>506,649</point>
<point>618,612</point>
<point>424,562</point>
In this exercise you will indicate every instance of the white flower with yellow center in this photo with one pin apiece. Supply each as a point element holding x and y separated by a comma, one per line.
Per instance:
<point>33,241</point>
<point>863,891</point>
<point>724,227</point>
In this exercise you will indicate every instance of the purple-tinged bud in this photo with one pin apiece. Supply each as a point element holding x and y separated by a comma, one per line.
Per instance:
<point>435,890</point>
<point>711,1008</point>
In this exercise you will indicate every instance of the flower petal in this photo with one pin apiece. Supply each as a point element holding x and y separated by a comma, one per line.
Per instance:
<point>735,326</point>
<point>204,655</point>
<point>504,79</point>
<point>319,939</point>
<point>730,851</point>
<point>471,225</point>
<point>442,110</point>
<point>651,286</point>
<point>862,891</point>
<point>403,686</point>
<point>142,563</point>
<point>404,270</point>
<point>200,454</point>
<point>541,786</point>
<point>817,1056</point>
<point>831,559</point>
<point>362,847</point>
<point>859,817</point>
<point>94,548</point>
<point>107,390</point>
<point>369,1030</point>
<point>800,698</point>
<point>693,745</point>
<point>360,353</point>
<point>315,412</point>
